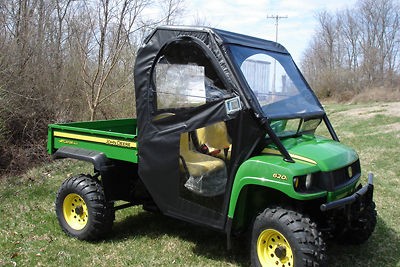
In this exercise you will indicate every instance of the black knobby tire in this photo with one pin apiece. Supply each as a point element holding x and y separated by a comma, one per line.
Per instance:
<point>362,229</point>
<point>285,238</point>
<point>82,210</point>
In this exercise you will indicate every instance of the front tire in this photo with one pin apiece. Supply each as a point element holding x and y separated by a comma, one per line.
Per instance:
<point>82,210</point>
<point>285,238</point>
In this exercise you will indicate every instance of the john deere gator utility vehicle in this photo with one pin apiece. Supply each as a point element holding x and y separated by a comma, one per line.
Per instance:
<point>224,138</point>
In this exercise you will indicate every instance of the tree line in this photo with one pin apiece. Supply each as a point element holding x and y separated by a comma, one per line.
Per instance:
<point>355,51</point>
<point>63,60</point>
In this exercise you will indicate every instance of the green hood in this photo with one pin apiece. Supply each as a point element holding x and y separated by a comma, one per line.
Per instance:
<point>328,154</point>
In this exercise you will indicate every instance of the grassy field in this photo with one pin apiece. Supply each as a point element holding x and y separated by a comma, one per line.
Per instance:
<point>30,235</point>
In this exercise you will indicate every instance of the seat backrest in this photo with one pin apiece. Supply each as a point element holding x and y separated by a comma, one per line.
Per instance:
<point>184,144</point>
<point>206,175</point>
<point>215,136</point>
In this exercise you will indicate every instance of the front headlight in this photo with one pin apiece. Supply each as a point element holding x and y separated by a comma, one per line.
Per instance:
<point>306,183</point>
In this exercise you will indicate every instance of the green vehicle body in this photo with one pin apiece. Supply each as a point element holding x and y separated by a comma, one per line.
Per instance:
<point>312,154</point>
<point>272,160</point>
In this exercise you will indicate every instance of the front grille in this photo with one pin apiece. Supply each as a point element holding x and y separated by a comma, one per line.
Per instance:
<point>338,178</point>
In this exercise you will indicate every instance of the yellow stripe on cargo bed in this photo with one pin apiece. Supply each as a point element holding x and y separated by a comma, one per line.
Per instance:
<point>107,141</point>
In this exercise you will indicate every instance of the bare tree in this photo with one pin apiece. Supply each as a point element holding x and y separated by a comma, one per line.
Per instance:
<point>171,10</point>
<point>329,36</point>
<point>350,31</point>
<point>64,60</point>
<point>355,48</point>
<point>100,38</point>
<point>380,32</point>
<point>201,21</point>
<point>27,77</point>
<point>103,31</point>
<point>62,9</point>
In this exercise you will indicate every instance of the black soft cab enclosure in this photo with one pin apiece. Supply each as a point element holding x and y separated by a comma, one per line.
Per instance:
<point>191,95</point>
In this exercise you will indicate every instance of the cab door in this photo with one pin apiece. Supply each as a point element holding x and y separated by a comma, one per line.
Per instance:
<point>186,145</point>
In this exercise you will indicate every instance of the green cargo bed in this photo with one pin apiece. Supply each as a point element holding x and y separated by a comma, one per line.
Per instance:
<point>115,138</point>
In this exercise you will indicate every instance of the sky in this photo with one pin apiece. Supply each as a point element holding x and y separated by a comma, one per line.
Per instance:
<point>250,17</point>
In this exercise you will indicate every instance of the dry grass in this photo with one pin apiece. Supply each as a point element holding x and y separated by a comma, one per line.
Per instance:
<point>379,94</point>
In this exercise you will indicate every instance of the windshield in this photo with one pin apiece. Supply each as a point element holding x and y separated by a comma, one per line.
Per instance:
<point>276,83</point>
<point>294,127</point>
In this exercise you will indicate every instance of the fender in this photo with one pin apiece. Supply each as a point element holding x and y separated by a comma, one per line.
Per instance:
<point>99,160</point>
<point>117,177</point>
<point>271,171</point>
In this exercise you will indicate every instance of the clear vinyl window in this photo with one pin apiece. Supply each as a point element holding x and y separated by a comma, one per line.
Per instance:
<point>180,86</point>
<point>268,79</point>
<point>185,77</point>
<point>277,84</point>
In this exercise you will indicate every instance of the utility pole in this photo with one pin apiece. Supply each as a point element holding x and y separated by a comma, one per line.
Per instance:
<point>277,18</point>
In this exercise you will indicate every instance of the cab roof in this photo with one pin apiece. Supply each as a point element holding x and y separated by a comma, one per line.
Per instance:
<point>227,37</point>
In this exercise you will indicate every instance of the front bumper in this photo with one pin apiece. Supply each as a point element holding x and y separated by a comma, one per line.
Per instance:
<point>364,194</point>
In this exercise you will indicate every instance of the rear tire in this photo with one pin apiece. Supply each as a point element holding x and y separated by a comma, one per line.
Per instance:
<point>285,238</point>
<point>82,210</point>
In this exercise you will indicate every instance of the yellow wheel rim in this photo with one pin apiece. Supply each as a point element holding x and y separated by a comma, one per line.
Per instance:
<point>273,249</point>
<point>75,211</point>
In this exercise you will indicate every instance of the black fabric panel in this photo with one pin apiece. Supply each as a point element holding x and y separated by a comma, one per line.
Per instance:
<point>247,136</point>
<point>158,141</point>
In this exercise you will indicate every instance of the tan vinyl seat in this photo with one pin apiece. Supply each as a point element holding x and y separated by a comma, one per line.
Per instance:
<point>216,138</point>
<point>207,174</point>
